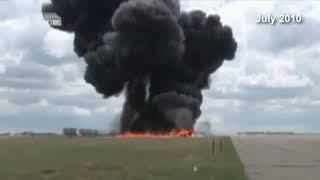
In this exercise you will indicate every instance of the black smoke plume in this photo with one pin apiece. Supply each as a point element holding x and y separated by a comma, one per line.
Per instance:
<point>160,56</point>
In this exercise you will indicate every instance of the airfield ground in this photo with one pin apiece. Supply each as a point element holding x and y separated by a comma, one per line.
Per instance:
<point>61,158</point>
<point>280,157</point>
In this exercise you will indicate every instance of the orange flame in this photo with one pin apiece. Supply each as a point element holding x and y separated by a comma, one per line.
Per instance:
<point>173,133</point>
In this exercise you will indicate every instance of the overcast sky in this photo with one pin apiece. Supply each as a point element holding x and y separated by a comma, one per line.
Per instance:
<point>273,83</point>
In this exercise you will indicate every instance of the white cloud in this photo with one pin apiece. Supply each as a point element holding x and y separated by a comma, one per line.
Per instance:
<point>2,69</point>
<point>81,111</point>
<point>9,59</point>
<point>210,104</point>
<point>206,5</point>
<point>13,58</point>
<point>18,24</point>
<point>58,44</point>
<point>6,107</point>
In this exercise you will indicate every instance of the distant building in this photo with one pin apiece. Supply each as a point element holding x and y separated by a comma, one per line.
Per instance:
<point>69,132</point>
<point>5,134</point>
<point>89,133</point>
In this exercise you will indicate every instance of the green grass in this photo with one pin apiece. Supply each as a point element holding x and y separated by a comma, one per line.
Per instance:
<point>61,158</point>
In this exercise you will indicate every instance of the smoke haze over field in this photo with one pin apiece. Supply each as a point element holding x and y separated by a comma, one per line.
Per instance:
<point>161,57</point>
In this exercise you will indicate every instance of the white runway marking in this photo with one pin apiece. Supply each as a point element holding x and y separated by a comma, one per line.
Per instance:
<point>280,157</point>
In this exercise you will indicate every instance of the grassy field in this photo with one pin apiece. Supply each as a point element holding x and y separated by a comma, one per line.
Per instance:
<point>61,158</point>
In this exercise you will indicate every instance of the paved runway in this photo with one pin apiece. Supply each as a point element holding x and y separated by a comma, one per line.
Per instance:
<point>279,157</point>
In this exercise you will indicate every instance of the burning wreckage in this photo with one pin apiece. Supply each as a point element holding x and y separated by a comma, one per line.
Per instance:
<point>161,57</point>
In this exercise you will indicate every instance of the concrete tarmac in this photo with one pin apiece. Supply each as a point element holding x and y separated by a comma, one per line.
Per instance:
<point>279,157</point>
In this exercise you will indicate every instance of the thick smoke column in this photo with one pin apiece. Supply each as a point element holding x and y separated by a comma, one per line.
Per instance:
<point>160,56</point>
